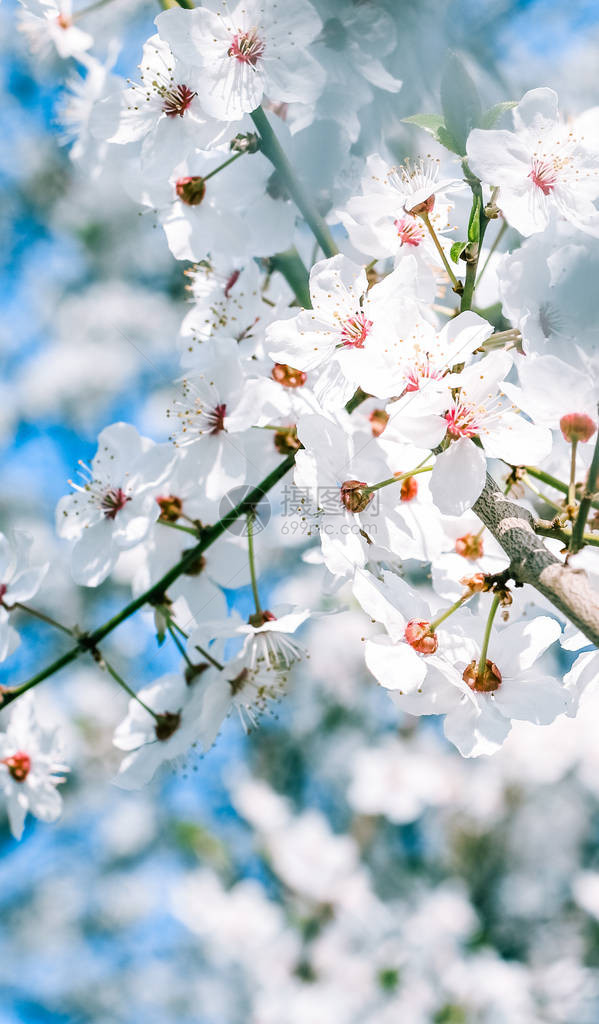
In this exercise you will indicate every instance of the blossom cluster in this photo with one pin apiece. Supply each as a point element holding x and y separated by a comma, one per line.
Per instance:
<point>381,378</point>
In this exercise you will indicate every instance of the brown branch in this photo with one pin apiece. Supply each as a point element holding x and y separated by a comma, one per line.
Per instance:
<point>531,562</point>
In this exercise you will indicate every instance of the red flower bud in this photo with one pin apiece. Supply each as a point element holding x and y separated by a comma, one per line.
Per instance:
<point>577,426</point>
<point>171,507</point>
<point>354,496</point>
<point>420,637</point>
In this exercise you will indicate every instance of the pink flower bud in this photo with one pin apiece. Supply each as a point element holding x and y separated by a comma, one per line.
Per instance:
<point>419,636</point>
<point>409,488</point>
<point>577,426</point>
<point>354,497</point>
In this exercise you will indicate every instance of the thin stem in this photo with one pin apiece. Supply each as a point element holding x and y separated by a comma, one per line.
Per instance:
<point>482,664</point>
<point>177,526</point>
<point>43,617</point>
<point>457,285</point>
<point>586,502</point>
<point>483,220</point>
<point>156,592</point>
<point>179,645</point>
<point>398,479</point>
<point>214,661</point>
<point>272,149</point>
<point>250,522</point>
<point>543,497</point>
<point>498,237</point>
<point>89,10</point>
<point>547,529</point>
<point>118,679</point>
<point>572,484</point>
<point>546,478</point>
<point>454,607</point>
<point>221,167</point>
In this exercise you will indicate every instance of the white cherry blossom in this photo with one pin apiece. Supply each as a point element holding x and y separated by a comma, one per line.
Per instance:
<point>542,166</point>
<point>113,507</point>
<point>19,581</point>
<point>256,47</point>
<point>30,766</point>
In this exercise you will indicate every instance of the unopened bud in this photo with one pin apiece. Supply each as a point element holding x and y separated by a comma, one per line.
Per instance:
<point>171,508</point>
<point>409,488</point>
<point>245,142</point>
<point>420,636</point>
<point>577,426</point>
<point>470,546</point>
<point>286,441</point>
<point>483,682</point>
<point>288,376</point>
<point>354,495</point>
<point>378,421</point>
<point>191,190</point>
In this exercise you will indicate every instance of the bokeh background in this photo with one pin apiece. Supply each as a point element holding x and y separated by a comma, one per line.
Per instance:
<point>334,865</point>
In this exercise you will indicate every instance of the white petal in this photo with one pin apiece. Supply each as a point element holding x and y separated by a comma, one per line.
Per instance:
<point>458,477</point>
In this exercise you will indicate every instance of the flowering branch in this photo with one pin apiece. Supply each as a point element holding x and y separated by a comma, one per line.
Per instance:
<point>89,641</point>
<point>585,504</point>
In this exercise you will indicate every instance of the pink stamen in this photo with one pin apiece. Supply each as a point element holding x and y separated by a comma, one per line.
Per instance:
<point>246,47</point>
<point>409,231</point>
<point>355,331</point>
<point>177,100</point>
<point>543,175</point>
<point>113,501</point>
<point>461,421</point>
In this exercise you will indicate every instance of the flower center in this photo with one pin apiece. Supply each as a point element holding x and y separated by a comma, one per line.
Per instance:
<point>231,281</point>
<point>409,231</point>
<point>3,589</point>
<point>191,190</point>
<point>19,765</point>
<point>288,376</point>
<point>470,546</point>
<point>483,682</point>
<point>177,100</point>
<point>166,724</point>
<point>113,501</point>
<point>355,331</point>
<point>216,418</point>
<point>247,48</point>
<point>417,372</point>
<point>543,175</point>
<point>462,421</point>
<point>64,21</point>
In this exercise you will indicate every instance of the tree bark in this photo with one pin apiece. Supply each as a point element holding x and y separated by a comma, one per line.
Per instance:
<point>531,562</point>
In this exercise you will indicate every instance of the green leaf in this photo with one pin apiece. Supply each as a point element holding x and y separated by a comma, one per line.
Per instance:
<point>491,117</point>
<point>446,139</point>
<point>459,101</point>
<point>456,250</point>
<point>474,222</point>
<point>430,122</point>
